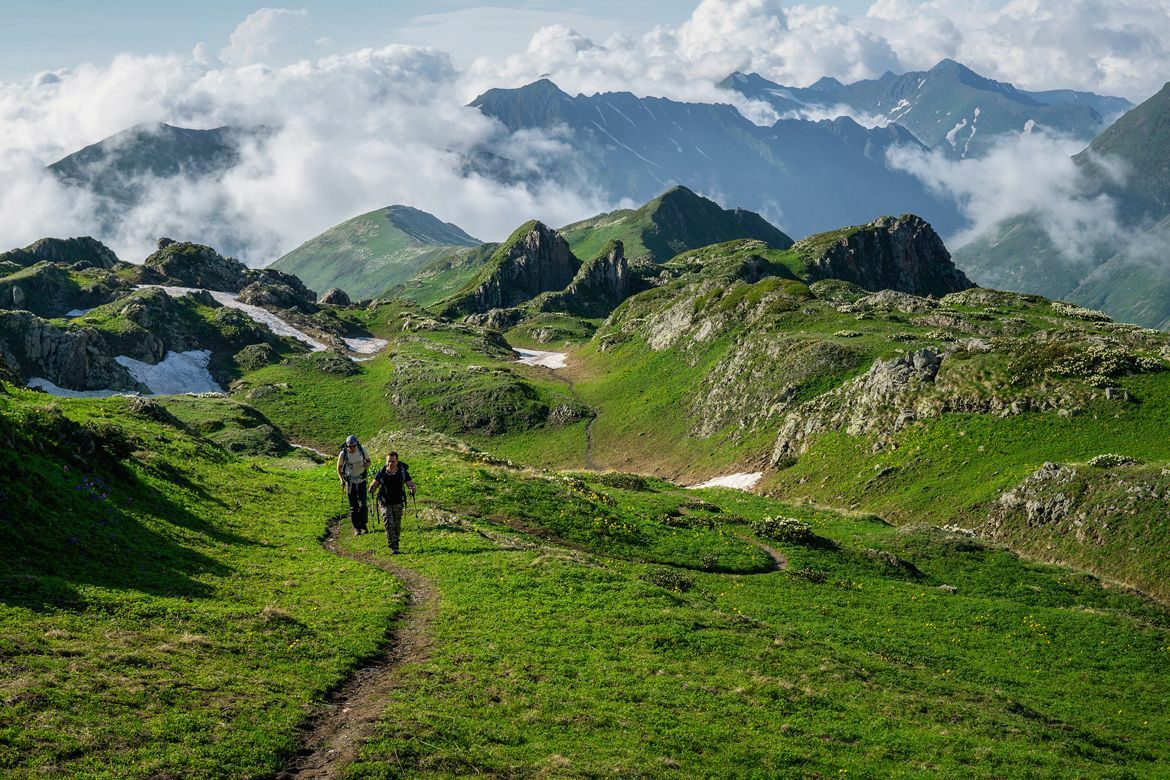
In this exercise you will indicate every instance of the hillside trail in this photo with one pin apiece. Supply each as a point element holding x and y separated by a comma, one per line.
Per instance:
<point>333,739</point>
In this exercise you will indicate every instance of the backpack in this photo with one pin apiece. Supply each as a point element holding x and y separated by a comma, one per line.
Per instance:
<point>365,458</point>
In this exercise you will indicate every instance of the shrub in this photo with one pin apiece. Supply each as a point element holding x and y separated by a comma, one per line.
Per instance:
<point>670,579</point>
<point>785,529</point>
<point>622,480</point>
<point>815,576</point>
<point>1111,459</point>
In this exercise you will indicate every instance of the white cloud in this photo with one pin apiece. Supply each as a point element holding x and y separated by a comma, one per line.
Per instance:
<point>351,133</point>
<point>268,35</point>
<point>1032,173</point>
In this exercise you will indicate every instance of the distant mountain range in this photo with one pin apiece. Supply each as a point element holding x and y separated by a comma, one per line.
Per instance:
<point>1127,279</point>
<point>805,176</point>
<point>949,107</point>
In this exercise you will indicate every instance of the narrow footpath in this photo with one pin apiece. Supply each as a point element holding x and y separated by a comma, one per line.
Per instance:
<point>349,714</point>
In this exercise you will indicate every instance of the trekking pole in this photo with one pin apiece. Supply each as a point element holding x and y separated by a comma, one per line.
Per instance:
<point>417,523</point>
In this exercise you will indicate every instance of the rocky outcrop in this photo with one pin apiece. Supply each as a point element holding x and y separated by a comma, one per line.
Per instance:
<point>278,290</point>
<point>535,259</point>
<point>882,402</point>
<point>78,359</point>
<point>1042,499</point>
<point>84,252</point>
<point>335,296</point>
<point>599,286</point>
<point>891,253</point>
<point>184,264</point>
<point>51,290</point>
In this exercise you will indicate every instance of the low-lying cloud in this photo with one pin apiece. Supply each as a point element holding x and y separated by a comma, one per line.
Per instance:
<point>346,134</point>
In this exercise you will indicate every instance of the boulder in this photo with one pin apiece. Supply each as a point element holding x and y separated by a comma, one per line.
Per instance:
<point>335,296</point>
<point>77,359</point>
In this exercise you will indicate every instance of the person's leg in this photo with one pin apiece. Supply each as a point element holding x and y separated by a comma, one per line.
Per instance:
<point>356,496</point>
<point>393,520</point>
<point>363,507</point>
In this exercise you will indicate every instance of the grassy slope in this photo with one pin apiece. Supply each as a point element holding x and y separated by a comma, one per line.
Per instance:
<point>563,661</point>
<point>166,608</point>
<point>367,254</point>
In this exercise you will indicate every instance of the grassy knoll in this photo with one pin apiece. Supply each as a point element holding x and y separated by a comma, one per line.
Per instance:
<point>562,652</point>
<point>165,607</point>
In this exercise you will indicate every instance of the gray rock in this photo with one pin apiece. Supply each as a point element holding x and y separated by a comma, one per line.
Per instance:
<point>891,253</point>
<point>335,296</point>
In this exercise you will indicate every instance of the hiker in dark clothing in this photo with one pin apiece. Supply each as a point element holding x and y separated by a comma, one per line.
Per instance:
<point>352,465</point>
<point>391,483</point>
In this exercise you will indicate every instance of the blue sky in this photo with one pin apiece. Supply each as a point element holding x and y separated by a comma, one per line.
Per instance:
<point>88,31</point>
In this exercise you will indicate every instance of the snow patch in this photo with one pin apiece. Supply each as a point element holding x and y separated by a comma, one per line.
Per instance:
<point>77,312</point>
<point>262,316</point>
<point>52,389</point>
<point>535,357</point>
<point>955,131</point>
<point>177,372</point>
<point>366,346</point>
<point>740,481</point>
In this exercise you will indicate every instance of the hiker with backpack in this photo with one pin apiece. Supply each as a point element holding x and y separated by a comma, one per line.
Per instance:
<point>391,483</point>
<point>352,465</point>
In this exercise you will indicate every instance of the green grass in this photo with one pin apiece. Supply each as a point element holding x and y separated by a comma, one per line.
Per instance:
<point>569,661</point>
<point>165,607</point>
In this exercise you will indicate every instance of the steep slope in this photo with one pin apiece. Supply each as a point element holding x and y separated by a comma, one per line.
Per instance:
<point>533,260</point>
<point>949,107</point>
<point>816,175</point>
<point>375,251</point>
<point>1134,284</point>
<point>115,167</point>
<point>674,222</point>
<point>1127,163</point>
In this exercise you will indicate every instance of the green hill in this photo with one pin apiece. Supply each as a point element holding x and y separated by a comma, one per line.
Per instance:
<point>674,222</point>
<point>953,565</point>
<point>375,251</point>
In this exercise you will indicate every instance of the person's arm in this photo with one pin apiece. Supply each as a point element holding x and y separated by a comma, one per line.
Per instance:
<point>409,482</point>
<point>341,467</point>
<point>374,485</point>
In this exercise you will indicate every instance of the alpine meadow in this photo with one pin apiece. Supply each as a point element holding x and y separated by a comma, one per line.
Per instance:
<point>735,389</point>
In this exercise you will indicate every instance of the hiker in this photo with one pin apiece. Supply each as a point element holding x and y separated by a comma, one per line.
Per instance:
<point>352,465</point>
<point>389,483</point>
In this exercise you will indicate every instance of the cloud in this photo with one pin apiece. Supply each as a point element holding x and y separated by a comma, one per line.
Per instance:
<point>1119,47</point>
<point>348,133</point>
<point>267,35</point>
<point>1032,173</point>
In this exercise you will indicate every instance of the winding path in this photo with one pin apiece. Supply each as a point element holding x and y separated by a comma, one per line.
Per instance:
<point>350,713</point>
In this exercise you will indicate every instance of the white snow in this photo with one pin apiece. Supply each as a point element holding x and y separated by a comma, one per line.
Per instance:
<point>1029,126</point>
<point>619,111</point>
<point>740,481</point>
<point>677,145</point>
<point>978,111</point>
<point>627,148</point>
<point>700,151</point>
<point>955,131</point>
<point>534,357</point>
<point>366,346</point>
<point>53,389</point>
<point>177,372</point>
<point>262,316</point>
<point>903,104</point>
<point>77,312</point>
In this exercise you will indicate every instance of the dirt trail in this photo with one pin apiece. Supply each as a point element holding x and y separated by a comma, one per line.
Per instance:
<point>349,714</point>
<point>779,559</point>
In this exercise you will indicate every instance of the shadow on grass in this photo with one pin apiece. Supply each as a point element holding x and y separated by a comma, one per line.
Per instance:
<point>62,528</point>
